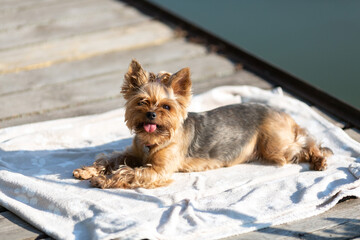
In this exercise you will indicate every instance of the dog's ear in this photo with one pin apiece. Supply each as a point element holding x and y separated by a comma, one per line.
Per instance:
<point>180,82</point>
<point>135,77</point>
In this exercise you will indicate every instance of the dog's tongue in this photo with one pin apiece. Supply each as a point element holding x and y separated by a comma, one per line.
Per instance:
<point>149,127</point>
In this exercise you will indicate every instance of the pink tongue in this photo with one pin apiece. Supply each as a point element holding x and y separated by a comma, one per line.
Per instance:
<point>150,127</point>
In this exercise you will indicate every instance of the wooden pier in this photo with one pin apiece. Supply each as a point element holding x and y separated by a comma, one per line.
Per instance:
<point>67,58</point>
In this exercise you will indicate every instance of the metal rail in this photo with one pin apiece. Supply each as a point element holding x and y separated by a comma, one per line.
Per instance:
<point>343,111</point>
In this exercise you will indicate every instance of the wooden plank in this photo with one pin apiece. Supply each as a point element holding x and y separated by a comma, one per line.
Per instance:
<point>342,221</point>
<point>346,230</point>
<point>20,5</point>
<point>353,133</point>
<point>239,78</point>
<point>61,96</point>
<point>80,19</point>
<point>38,13</point>
<point>11,7</point>
<point>97,65</point>
<point>334,120</point>
<point>74,111</point>
<point>201,68</point>
<point>13,228</point>
<point>103,105</point>
<point>84,46</point>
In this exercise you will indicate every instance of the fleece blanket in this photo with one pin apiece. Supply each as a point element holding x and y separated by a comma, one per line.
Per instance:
<point>37,160</point>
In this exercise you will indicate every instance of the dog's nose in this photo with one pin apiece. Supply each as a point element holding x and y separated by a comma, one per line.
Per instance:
<point>151,115</point>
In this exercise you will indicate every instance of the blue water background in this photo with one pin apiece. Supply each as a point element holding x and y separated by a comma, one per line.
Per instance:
<point>317,41</point>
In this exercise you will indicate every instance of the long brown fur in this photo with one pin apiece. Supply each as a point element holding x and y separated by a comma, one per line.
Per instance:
<point>177,143</point>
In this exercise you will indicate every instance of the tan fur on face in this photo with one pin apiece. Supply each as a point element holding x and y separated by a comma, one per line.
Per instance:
<point>134,79</point>
<point>181,85</point>
<point>147,93</point>
<point>152,97</point>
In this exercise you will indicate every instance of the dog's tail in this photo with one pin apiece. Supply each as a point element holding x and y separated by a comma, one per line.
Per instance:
<point>309,150</point>
<point>282,140</point>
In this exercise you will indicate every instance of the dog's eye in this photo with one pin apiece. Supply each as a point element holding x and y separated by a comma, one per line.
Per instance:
<point>167,107</point>
<point>142,102</point>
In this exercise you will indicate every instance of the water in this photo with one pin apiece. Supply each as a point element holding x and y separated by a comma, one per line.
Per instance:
<point>317,41</point>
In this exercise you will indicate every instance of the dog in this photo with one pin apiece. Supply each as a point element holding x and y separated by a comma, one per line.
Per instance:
<point>169,139</point>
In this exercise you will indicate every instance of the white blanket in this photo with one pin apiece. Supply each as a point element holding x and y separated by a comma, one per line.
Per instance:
<point>37,160</point>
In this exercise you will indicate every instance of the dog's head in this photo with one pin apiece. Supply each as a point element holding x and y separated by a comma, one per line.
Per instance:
<point>156,104</point>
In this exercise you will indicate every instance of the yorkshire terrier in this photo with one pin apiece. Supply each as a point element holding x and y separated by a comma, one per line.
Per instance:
<point>169,139</point>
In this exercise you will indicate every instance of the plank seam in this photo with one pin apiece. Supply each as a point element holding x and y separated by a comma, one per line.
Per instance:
<point>83,103</point>
<point>22,9</point>
<point>24,45</point>
<point>35,44</point>
<point>83,56</point>
<point>104,74</point>
<point>40,112</point>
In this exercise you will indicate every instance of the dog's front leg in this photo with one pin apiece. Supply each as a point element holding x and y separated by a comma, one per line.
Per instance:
<point>156,173</point>
<point>106,164</point>
<point>126,177</point>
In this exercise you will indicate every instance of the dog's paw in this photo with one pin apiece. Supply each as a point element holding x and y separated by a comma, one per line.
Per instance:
<point>319,164</point>
<point>122,178</point>
<point>99,181</point>
<point>85,173</point>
